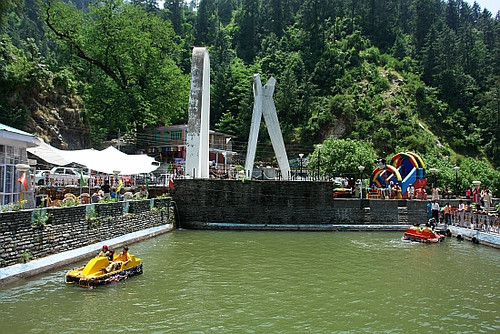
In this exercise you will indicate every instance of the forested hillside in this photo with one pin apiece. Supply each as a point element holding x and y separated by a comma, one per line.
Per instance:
<point>419,75</point>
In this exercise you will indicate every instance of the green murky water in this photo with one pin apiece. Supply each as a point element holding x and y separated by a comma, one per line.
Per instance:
<point>274,282</point>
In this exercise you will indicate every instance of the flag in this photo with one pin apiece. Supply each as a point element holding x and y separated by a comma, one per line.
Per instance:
<point>82,180</point>
<point>24,181</point>
<point>171,183</point>
<point>120,185</point>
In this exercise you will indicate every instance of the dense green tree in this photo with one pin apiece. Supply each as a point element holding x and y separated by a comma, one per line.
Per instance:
<point>127,57</point>
<point>15,71</point>
<point>221,56</point>
<point>272,17</point>
<point>342,157</point>
<point>4,7</point>
<point>151,5</point>
<point>204,26</point>
<point>427,13</point>
<point>175,10</point>
<point>400,74</point>
<point>246,38</point>
<point>489,119</point>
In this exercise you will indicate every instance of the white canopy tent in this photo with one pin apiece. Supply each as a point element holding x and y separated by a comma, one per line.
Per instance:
<point>109,160</point>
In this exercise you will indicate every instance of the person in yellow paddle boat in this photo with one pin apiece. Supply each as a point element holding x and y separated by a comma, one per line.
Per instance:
<point>107,252</point>
<point>122,259</point>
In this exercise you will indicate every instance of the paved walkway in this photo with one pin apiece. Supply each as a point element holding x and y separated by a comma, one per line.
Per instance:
<point>24,270</point>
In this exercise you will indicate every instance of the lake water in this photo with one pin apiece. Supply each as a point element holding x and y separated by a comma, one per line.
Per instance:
<point>274,282</point>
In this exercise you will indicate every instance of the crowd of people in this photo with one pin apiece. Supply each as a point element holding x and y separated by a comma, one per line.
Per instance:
<point>465,214</point>
<point>394,191</point>
<point>106,192</point>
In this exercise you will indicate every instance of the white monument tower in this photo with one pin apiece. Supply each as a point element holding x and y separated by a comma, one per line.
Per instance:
<point>264,105</point>
<point>197,164</point>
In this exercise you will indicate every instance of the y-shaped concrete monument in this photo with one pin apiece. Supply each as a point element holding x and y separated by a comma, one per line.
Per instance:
<point>264,104</point>
<point>197,164</point>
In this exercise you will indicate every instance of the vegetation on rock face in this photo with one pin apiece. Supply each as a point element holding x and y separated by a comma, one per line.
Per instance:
<point>412,75</point>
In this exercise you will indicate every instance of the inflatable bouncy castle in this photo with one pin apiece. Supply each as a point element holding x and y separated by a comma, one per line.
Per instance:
<point>405,169</point>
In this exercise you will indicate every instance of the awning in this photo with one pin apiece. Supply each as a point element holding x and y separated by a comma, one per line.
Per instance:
<point>109,160</point>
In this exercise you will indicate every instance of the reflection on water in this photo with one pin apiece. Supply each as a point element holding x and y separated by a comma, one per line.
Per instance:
<point>274,282</point>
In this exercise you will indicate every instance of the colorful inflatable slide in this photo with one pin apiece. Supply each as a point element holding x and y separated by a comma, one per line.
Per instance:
<point>404,169</point>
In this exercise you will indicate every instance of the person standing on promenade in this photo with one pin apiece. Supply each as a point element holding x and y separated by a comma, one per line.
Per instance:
<point>106,189</point>
<point>397,191</point>
<point>476,196</point>
<point>487,200</point>
<point>411,192</point>
<point>435,193</point>
<point>435,211</point>
<point>429,210</point>
<point>461,212</point>
<point>447,215</point>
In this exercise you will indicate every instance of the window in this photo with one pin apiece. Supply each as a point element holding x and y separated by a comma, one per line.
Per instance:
<point>2,154</point>
<point>10,155</point>
<point>9,179</point>
<point>176,134</point>
<point>59,171</point>
<point>2,178</point>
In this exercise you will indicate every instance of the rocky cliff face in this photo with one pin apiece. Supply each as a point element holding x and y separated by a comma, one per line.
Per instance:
<point>58,119</point>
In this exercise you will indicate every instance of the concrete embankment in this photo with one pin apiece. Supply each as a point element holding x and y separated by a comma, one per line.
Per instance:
<point>476,236</point>
<point>29,245</point>
<point>19,271</point>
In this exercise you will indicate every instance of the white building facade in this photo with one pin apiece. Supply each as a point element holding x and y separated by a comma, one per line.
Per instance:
<point>13,144</point>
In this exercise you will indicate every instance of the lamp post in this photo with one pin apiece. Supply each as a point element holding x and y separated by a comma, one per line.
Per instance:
<point>361,169</point>
<point>301,155</point>
<point>319,159</point>
<point>456,168</point>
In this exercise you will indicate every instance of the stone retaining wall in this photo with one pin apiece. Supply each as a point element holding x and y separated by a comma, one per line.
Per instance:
<point>283,203</point>
<point>73,227</point>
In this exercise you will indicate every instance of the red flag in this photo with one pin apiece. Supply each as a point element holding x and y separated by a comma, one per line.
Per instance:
<point>171,183</point>
<point>24,181</point>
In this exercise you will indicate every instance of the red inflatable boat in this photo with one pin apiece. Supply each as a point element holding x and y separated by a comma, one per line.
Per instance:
<point>422,235</point>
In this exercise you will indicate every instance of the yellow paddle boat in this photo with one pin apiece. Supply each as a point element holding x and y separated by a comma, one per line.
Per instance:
<point>94,272</point>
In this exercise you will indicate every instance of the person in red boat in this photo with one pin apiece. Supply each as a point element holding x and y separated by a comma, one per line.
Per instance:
<point>427,228</point>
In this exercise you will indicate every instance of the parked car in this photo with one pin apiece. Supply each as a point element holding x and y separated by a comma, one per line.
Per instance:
<point>40,176</point>
<point>66,176</point>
